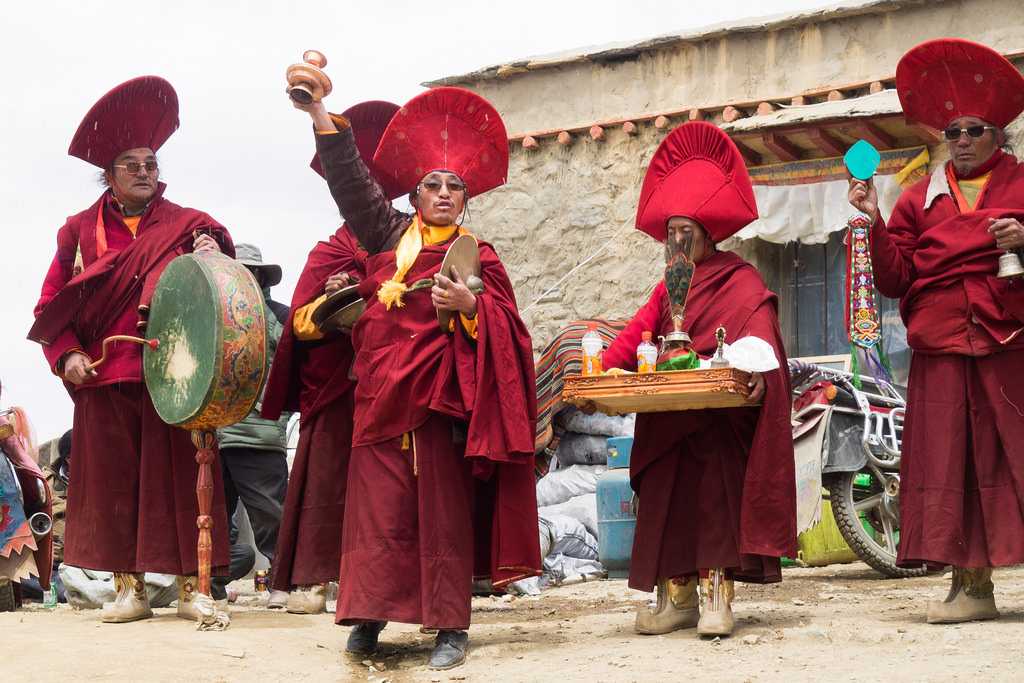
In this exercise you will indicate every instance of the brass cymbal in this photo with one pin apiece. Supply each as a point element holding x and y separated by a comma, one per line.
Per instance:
<point>339,311</point>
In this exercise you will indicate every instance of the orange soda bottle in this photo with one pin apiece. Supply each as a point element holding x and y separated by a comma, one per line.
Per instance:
<point>646,354</point>
<point>592,347</point>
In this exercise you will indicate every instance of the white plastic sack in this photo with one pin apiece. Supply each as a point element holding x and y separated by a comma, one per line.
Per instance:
<point>581,508</point>
<point>582,449</point>
<point>570,537</point>
<point>598,424</point>
<point>563,484</point>
<point>530,586</point>
<point>564,569</point>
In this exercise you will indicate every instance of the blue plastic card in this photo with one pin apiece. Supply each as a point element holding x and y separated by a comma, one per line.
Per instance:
<point>862,160</point>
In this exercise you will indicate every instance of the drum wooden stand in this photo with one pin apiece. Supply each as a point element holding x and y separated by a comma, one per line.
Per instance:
<point>205,442</point>
<point>205,371</point>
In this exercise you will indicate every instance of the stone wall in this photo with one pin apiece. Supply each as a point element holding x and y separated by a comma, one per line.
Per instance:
<point>562,204</point>
<point>749,64</point>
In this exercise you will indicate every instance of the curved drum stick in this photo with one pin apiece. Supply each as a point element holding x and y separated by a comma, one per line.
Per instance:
<point>151,343</point>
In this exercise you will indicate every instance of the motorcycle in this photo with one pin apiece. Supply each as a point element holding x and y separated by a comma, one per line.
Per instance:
<point>26,541</point>
<point>862,422</point>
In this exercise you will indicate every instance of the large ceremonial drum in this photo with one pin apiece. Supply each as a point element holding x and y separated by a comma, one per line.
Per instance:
<point>209,316</point>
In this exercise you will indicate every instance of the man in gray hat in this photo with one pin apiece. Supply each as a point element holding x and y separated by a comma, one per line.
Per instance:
<point>253,452</point>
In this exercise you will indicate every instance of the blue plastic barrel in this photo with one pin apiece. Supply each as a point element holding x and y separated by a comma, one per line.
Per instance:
<point>616,521</point>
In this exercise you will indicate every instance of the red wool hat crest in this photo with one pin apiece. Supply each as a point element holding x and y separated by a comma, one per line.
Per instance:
<point>941,80</point>
<point>142,112</point>
<point>696,173</point>
<point>368,121</point>
<point>450,129</point>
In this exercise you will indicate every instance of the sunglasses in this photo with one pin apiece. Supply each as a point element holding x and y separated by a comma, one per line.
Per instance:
<point>133,167</point>
<point>953,133</point>
<point>434,186</point>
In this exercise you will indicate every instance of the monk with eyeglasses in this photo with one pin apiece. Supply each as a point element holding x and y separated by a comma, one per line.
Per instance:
<point>962,470</point>
<point>132,508</point>
<point>440,482</point>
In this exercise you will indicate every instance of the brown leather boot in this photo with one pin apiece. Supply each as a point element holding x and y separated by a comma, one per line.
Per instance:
<point>131,603</point>
<point>716,611</point>
<point>970,598</point>
<point>676,608</point>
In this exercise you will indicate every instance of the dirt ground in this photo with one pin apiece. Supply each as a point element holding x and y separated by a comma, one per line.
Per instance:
<point>841,622</point>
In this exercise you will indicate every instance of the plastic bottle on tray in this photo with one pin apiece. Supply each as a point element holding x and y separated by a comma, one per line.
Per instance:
<point>646,354</point>
<point>592,346</point>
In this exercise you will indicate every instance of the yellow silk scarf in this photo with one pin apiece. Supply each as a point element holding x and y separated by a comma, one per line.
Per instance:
<point>409,246</point>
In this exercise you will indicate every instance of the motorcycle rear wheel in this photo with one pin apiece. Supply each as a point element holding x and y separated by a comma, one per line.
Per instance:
<point>854,504</point>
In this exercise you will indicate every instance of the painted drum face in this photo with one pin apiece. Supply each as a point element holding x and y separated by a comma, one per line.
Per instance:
<point>209,316</point>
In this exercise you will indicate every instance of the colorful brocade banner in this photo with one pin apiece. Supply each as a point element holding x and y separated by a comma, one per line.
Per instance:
<point>863,322</point>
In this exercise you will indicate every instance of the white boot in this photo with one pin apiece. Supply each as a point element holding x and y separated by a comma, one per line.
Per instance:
<point>277,599</point>
<point>970,598</point>
<point>131,603</point>
<point>716,611</point>
<point>676,608</point>
<point>187,586</point>
<point>308,600</point>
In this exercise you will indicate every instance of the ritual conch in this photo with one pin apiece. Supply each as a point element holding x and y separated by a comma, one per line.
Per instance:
<point>306,81</point>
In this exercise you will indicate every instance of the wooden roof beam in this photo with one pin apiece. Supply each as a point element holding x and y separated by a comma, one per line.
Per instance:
<point>826,142</point>
<point>926,134</point>
<point>750,156</point>
<point>875,135</point>
<point>781,147</point>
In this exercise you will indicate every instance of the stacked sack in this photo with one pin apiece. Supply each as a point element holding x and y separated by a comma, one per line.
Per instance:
<point>582,439</point>
<point>567,500</point>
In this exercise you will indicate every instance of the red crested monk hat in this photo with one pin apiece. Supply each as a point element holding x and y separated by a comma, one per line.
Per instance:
<point>368,121</point>
<point>142,112</point>
<point>449,129</point>
<point>696,173</point>
<point>941,80</point>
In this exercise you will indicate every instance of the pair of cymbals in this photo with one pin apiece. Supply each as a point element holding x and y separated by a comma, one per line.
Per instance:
<point>340,311</point>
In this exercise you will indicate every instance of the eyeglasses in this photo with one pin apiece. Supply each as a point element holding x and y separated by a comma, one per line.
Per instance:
<point>953,133</point>
<point>436,185</point>
<point>133,167</point>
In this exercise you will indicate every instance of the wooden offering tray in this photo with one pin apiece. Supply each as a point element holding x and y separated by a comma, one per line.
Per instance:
<point>659,392</point>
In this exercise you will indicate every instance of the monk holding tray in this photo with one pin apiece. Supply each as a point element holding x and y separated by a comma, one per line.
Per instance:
<point>715,486</point>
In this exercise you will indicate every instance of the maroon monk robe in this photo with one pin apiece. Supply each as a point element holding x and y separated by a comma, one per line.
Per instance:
<point>312,377</point>
<point>716,488</point>
<point>132,507</point>
<point>962,472</point>
<point>460,501</point>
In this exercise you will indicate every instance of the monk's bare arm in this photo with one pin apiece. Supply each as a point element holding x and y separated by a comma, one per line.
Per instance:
<point>360,199</point>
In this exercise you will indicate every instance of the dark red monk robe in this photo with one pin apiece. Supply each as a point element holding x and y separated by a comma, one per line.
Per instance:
<point>460,501</point>
<point>133,505</point>
<point>312,377</point>
<point>716,488</point>
<point>962,472</point>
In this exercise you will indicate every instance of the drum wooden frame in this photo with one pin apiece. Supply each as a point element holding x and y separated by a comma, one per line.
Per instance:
<point>659,392</point>
<point>210,319</point>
